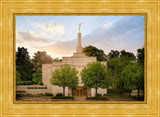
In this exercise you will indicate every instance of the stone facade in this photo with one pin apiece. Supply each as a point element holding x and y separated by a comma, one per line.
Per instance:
<point>79,60</point>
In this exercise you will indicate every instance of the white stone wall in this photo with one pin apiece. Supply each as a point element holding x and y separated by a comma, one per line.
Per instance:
<point>99,90</point>
<point>57,89</point>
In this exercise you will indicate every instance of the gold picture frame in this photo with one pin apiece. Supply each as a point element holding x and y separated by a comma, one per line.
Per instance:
<point>10,8</point>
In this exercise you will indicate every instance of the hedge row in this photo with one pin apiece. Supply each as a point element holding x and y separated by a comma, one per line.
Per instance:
<point>36,87</point>
<point>34,95</point>
<point>24,83</point>
<point>27,83</point>
<point>103,98</point>
<point>117,91</point>
<point>62,97</point>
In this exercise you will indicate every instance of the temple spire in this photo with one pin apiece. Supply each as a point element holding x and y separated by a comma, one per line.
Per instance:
<point>79,46</point>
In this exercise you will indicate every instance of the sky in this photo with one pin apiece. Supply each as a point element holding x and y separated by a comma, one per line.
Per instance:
<point>57,35</point>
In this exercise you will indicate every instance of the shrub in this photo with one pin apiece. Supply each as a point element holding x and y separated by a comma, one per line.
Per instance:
<point>24,83</point>
<point>36,87</point>
<point>59,94</point>
<point>48,94</point>
<point>105,95</point>
<point>62,97</point>
<point>98,95</point>
<point>20,95</point>
<point>19,91</point>
<point>34,95</point>
<point>42,94</point>
<point>101,98</point>
<point>117,91</point>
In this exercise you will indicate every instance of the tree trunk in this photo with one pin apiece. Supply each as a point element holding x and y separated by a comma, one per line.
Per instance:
<point>63,90</point>
<point>96,91</point>
<point>130,91</point>
<point>138,92</point>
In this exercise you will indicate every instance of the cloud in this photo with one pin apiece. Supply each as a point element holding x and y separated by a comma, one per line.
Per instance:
<point>30,36</point>
<point>52,27</point>
<point>60,48</point>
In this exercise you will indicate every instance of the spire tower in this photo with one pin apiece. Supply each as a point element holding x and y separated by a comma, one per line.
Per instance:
<point>79,48</point>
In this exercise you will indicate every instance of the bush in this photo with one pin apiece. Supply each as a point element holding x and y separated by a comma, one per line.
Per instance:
<point>98,95</point>
<point>101,98</point>
<point>117,91</point>
<point>105,95</point>
<point>41,83</point>
<point>36,87</point>
<point>19,91</point>
<point>34,95</point>
<point>48,94</point>
<point>24,83</point>
<point>62,97</point>
<point>20,95</point>
<point>59,94</point>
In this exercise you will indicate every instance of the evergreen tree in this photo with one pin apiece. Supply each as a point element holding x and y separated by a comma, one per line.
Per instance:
<point>23,64</point>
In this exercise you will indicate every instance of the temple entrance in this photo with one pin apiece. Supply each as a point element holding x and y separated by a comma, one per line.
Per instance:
<point>79,91</point>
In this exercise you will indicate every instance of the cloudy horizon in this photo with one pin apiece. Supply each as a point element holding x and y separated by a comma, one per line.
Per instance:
<point>57,35</point>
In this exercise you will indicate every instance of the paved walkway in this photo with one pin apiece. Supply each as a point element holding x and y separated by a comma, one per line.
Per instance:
<point>80,98</point>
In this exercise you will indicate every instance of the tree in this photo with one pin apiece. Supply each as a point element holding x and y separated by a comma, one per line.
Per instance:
<point>140,56</point>
<point>37,76</point>
<point>40,58</point>
<point>113,54</point>
<point>116,62</point>
<point>108,80</point>
<point>133,77</point>
<point>93,51</point>
<point>18,78</point>
<point>65,76</point>
<point>23,64</point>
<point>93,75</point>
<point>140,61</point>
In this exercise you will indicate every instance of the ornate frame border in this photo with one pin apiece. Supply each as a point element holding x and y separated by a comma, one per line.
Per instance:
<point>151,105</point>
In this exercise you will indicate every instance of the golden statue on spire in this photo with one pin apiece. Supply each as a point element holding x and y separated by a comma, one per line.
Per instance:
<point>80,26</point>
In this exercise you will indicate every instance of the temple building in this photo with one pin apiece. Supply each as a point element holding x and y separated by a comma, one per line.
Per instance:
<point>79,60</point>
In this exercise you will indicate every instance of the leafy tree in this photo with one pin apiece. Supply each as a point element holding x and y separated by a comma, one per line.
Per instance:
<point>40,58</point>
<point>140,61</point>
<point>37,76</point>
<point>140,56</point>
<point>113,54</point>
<point>117,63</point>
<point>57,59</point>
<point>93,51</point>
<point>65,76</point>
<point>18,78</point>
<point>133,76</point>
<point>108,80</point>
<point>93,75</point>
<point>23,64</point>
